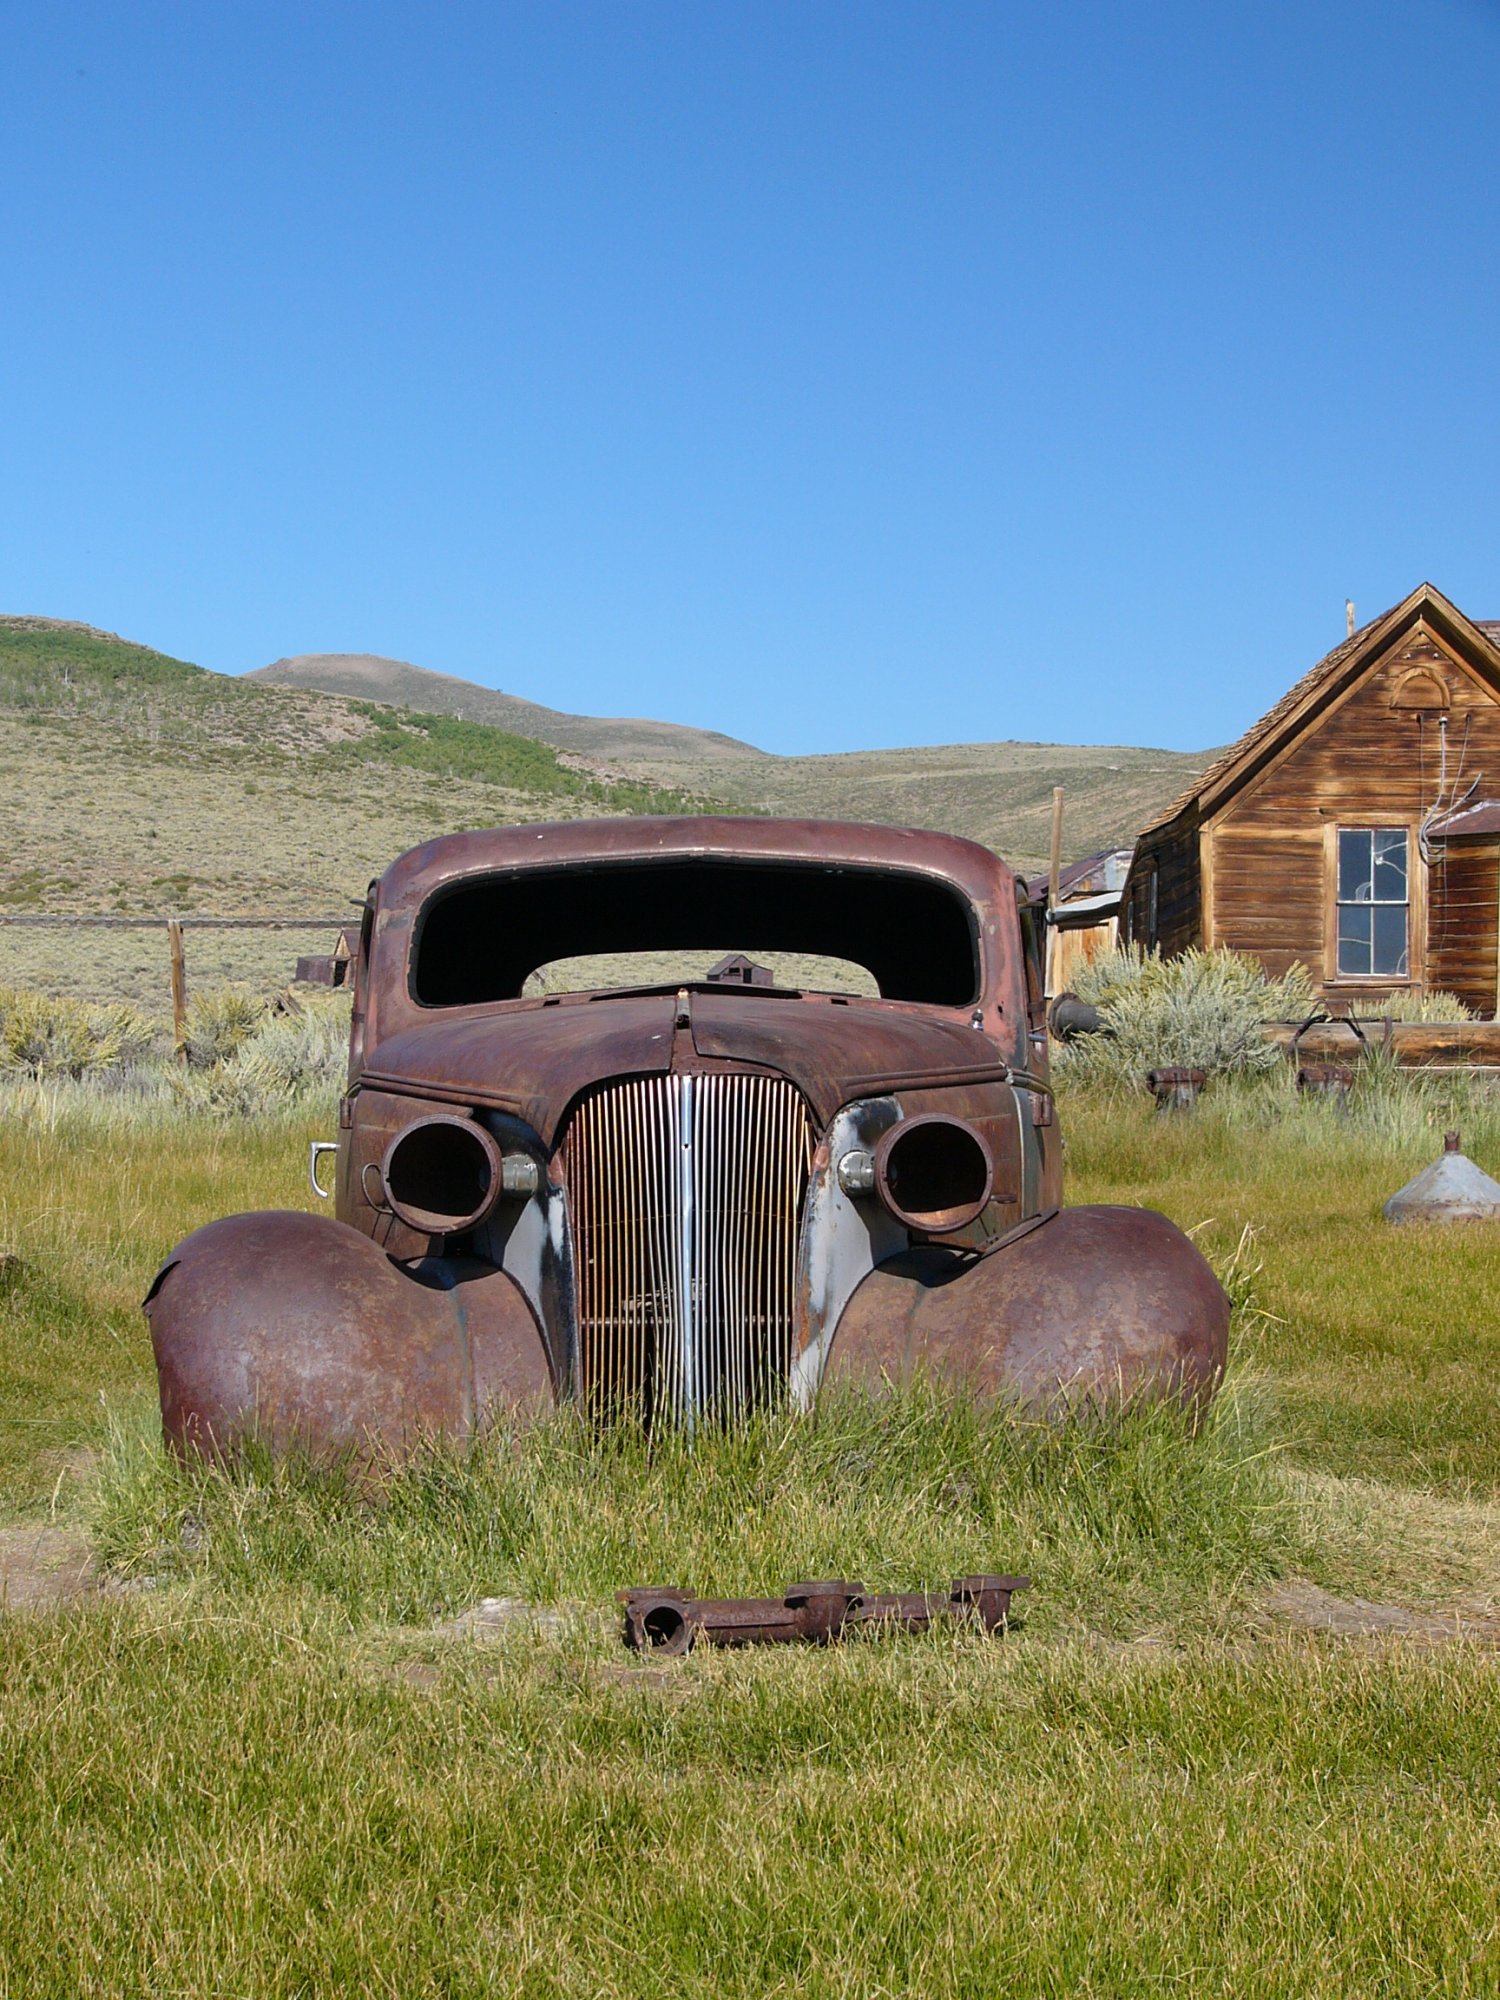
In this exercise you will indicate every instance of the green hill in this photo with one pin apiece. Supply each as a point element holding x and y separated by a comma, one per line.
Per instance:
<point>138,784</point>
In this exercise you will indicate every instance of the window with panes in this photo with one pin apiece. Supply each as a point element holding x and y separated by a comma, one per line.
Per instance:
<point>1374,902</point>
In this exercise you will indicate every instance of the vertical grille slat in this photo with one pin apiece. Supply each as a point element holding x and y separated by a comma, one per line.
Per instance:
<point>685,1194</point>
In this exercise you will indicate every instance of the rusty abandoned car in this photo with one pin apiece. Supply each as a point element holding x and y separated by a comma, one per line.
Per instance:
<point>682,1194</point>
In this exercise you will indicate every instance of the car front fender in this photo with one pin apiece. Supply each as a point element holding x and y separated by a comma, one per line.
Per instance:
<point>300,1331</point>
<point>1093,1305</point>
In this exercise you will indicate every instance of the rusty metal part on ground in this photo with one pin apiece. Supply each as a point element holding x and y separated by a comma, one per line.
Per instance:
<point>1332,1081</point>
<point>1174,1087</point>
<point>673,1621</point>
<point>685,1199</point>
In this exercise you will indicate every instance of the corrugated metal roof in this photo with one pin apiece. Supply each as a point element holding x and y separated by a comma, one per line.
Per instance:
<point>1483,817</point>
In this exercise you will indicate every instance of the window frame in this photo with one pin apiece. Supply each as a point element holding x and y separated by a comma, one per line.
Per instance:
<point>1416,903</point>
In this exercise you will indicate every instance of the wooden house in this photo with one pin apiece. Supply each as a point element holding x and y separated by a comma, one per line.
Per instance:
<point>1355,828</point>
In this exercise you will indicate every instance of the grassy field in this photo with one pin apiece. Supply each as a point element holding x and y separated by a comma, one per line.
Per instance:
<point>263,1762</point>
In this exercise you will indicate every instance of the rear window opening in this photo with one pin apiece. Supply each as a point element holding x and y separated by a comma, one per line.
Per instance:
<point>912,937</point>
<point>788,971</point>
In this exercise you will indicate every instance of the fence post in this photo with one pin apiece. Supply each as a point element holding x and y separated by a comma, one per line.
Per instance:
<point>179,989</point>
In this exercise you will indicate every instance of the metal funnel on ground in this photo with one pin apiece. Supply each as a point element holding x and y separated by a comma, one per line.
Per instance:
<point>1452,1189</point>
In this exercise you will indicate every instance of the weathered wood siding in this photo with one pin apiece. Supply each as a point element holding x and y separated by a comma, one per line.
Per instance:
<point>1071,952</point>
<point>1365,756</point>
<point>1364,760</point>
<point>1463,898</point>
<point>1268,894</point>
<point>1169,860</point>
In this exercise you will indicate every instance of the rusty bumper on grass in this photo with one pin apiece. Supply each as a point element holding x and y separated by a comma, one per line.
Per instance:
<point>300,1331</point>
<point>673,1621</point>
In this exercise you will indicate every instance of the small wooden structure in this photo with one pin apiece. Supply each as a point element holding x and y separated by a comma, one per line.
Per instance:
<point>1084,915</point>
<point>1355,828</point>
<point>333,969</point>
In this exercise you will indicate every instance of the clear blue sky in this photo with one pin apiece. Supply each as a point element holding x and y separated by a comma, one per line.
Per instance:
<point>830,374</point>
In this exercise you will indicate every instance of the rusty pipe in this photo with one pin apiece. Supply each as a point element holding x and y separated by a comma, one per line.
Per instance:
<point>1069,1016</point>
<point>672,1621</point>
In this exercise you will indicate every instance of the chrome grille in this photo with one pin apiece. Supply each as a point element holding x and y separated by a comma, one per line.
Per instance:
<point>685,1194</point>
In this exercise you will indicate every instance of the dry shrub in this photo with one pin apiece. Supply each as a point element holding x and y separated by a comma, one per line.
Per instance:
<point>288,1058</point>
<point>47,1038</point>
<point>1409,1006</point>
<point>1203,1010</point>
<point>221,1022</point>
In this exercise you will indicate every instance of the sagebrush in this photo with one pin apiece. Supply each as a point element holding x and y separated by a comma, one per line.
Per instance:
<point>1202,1010</point>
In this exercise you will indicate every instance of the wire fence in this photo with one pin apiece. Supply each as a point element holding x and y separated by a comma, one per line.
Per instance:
<point>89,956</point>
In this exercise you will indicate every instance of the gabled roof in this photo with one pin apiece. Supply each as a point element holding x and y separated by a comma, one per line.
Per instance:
<point>1234,766</point>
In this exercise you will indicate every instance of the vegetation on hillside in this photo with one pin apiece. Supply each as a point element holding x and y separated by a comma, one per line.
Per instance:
<point>447,747</point>
<point>134,784</point>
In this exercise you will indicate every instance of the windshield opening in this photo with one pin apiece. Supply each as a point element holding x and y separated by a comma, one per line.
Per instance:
<point>482,940</point>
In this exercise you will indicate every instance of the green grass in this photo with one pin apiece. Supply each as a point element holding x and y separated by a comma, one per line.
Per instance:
<point>1129,1521</point>
<point>199,1802</point>
<point>447,747</point>
<point>263,1770</point>
<point>1382,1344</point>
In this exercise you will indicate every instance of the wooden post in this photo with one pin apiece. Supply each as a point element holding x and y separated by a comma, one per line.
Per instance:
<point>1054,871</point>
<point>1054,889</point>
<point>179,989</point>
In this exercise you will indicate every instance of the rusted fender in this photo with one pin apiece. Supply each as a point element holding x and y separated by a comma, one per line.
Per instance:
<point>300,1330</point>
<point>1095,1305</point>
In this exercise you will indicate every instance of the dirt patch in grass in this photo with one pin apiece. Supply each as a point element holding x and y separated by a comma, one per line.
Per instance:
<point>42,1566</point>
<point>1298,1602</point>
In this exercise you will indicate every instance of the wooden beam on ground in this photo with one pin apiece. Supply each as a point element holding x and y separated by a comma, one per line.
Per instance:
<point>1413,1044</point>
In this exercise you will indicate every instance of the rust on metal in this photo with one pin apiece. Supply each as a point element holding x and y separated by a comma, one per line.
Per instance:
<point>1081,1306</point>
<point>1332,1081</point>
<point>818,1613</point>
<point>688,1200</point>
<point>1174,1087</point>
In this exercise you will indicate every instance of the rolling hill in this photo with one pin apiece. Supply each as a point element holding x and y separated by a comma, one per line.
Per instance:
<point>369,677</point>
<point>138,784</point>
<point>1000,793</point>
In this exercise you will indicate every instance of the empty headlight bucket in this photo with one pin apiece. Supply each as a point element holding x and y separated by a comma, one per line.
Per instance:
<point>442,1174</point>
<point>934,1173</point>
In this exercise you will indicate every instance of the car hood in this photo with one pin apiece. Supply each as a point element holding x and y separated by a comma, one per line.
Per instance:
<point>535,1058</point>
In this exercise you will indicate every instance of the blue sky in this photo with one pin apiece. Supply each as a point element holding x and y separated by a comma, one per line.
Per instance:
<point>835,375</point>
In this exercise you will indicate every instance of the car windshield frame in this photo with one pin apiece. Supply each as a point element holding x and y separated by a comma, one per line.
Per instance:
<point>477,938</point>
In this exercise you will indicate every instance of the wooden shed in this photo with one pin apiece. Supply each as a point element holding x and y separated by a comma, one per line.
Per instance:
<point>1085,921</point>
<point>1356,827</point>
